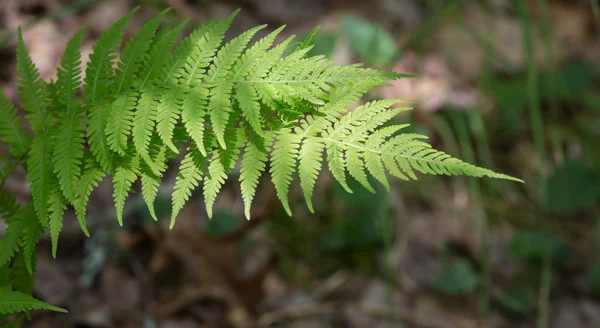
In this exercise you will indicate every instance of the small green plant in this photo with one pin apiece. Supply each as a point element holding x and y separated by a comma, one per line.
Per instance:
<point>137,108</point>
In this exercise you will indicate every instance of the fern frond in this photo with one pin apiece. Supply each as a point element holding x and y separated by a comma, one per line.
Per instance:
<point>123,179</point>
<point>190,174</point>
<point>15,302</point>
<point>11,131</point>
<point>21,277</point>
<point>220,70</point>
<point>89,180</point>
<point>98,73</point>
<point>32,232</point>
<point>193,113</point>
<point>203,51</point>
<point>143,124</point>
<point>120,121</point>
<point>9,244</point>
<point>253,165</point>
<point>158,55</point>
<point>283,165</point>
<point>311,156</point>
<point>133,54</point>
<point>32,91</point>
<point>69,146</point>
<point>56,207</point>
<point>151,180</point>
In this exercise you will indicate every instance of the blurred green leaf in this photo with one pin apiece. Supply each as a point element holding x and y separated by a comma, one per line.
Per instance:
<point>531,245</point>
<point>458,278</point>
<point>570,81</point>
<point>517,300</point>
<point>162,207</point>
<point>595,276</point>
<point>323,44</point>
<point>356,226</point>
<point>223,223</point>
<point>369,40</point>
<point>572,187</point>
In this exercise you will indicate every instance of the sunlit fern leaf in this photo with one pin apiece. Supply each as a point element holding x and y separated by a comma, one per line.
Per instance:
<point>11,131</point>
<point>151,180</point>
<point>143,125</point>
<point>203,51</point>
<point>158,55</point>
<point>69,146</point>
<point>89,180</point>
<point>311,156</point>
<point>356,167</point>
<point>253,165</point>
<point>15,302</point>
<point>133,55</point>
<point>190,174</point>
<point>120,121</point>
<point>220,75</point>
<point>98,73</point>
<point>193,115</point>
<point>283,165</point>
<point>123,179</point>
<point>170,73</point>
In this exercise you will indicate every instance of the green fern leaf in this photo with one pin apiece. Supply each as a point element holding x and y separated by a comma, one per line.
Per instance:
<point>311,155</point>
<point>170,73</point>
<point>56,207</point>
<point>21,274</point>
<point>253,164</point>
<point>143,124</point>
<point>220,102</point>
<point>151,181</point>
<point>89,180</point>
<point>133,54</point>
<point>169,108</point>
<point>123,179</point>
<point>11,131</point>
<point>283,161</point>
<point>190,174</point>
<point>157,56</point>
<point>97,76</point>
<point>15,302</point>
<point>32,91</point>
<point>9,244</point>
<point>69,146</point>
<point>203,51</point>
<point>32,232</point>
<point>120,121</point>
<point>193,114</point>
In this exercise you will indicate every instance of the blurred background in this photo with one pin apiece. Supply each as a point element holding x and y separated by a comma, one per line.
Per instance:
<point>512,86</point>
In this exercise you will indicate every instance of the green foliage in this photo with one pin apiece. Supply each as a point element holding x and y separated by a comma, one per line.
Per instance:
<point>138,108</point>
<point>517,300</point>
<point>15,302</point>
<point>370,41</point>
<point>457,278</point>
<point>530,245</point>
<point>572,187</point>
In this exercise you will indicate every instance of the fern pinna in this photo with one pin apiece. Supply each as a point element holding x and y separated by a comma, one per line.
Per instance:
<point>217,103</point>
